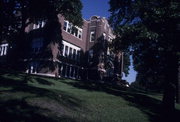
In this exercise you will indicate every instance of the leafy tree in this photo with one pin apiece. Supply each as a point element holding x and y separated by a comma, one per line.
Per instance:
<point>149,29</point>
<point>9,18</point>
<point>116,48</point>
<point>14,14</point>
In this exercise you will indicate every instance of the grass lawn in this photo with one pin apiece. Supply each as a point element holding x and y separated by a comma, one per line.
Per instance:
<point>34,98</point>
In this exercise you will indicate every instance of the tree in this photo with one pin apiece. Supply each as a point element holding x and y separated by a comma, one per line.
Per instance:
<point>20,13</point>
<point>14,14</point>
<point>10,19</point>
<point>149,29</point>
<point>116,48</point>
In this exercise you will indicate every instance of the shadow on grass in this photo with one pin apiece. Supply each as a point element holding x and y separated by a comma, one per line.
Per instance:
<point>19,109</point>
<point>41,81</point>
<point>148,105</point>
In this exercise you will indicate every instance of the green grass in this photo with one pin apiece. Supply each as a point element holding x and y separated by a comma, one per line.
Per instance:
<point>33,98</point>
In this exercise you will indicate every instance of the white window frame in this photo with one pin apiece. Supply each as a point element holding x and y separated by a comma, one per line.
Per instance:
<point>73,48</point>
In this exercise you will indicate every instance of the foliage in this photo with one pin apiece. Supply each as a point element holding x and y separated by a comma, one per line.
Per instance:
<point>14,14</point>
<point>149,30</point>
<point>19,14</point>
<point>9,18</point>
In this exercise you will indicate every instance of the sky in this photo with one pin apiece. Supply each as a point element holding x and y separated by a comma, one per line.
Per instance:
<point>132,74</point>
<point>100,8</point>
<point>95,7</point>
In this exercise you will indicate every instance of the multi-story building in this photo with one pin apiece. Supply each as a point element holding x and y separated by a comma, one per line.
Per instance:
<point>75,55</point>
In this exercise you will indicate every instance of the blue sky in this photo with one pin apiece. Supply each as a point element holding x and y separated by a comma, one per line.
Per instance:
<point>95,7</point>
<point>132,74</point>
<point>100,8</point>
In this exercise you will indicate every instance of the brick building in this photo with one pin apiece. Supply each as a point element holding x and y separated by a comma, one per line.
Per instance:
<point>71,57</point>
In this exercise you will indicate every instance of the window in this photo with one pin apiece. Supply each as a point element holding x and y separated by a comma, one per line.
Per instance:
<point>92,36</point>
<point>90,57</point>
<point>78,55</point>
<point>70,52</point>
<point>34,26</point>
<point>34,67</point>
<point>74,54</point>
<point>65,25</point>
<point>3,49</point>
<point>66,50</point>
<point>39,24</point>
<point>62,49</point>
<point>69,29</point>
<point>79,34</point>
<point>90,53</point>
<point>74,31</point>
<point>37,45</point>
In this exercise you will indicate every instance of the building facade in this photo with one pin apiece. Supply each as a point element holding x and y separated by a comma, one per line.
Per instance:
<point>80,51</point>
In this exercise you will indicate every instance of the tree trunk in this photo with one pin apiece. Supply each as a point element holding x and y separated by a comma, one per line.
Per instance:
<point>169,97</point>
<point>178,86</point>
<point>170,86</point>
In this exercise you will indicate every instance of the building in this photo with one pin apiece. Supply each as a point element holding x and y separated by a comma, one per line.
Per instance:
<point>80,53</point>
